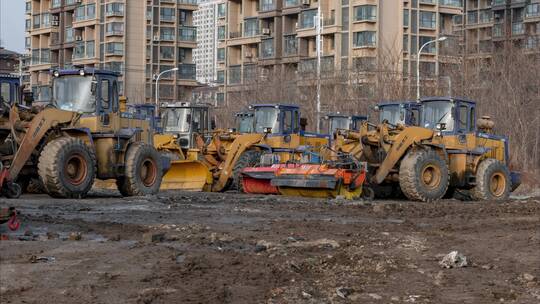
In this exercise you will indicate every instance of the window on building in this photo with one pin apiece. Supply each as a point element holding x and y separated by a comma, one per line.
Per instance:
<point>364,39</point>
<point>365,13</point>
<point>115,48</point>
<point>406,17</point>
<point>115,9</point>
<point>166,14</point>
<point>166,52</point>
<point>428,20</point>
<point>221,54</point>
<point>430,48</point>
<point>166,33</point>
<point>221,32</point>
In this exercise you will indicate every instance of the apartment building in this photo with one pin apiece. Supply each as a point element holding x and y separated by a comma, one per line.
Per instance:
<point>205,19</point>
<point>136,38</point>
<point>490,25</point>
<point>264,36</point>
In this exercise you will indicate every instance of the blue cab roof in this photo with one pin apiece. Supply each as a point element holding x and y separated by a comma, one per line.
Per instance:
<point>90,71</point>
<point>447,98</point>
<point>273,105</point>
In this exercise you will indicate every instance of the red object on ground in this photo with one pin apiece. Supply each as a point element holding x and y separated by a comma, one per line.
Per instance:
<point>256,180</point>
<point>13,222</point>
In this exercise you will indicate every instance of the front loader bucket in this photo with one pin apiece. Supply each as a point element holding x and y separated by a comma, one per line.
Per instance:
<point>188,175</point>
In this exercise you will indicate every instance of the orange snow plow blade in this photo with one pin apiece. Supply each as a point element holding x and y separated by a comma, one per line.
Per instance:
<point>257,180</point>
<point>320,181</point>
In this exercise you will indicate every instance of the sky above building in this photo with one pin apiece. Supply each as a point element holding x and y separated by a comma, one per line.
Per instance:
<point>12,19</point>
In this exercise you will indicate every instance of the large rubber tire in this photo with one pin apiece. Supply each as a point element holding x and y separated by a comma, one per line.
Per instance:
<point>248,159</point>
<point>67,168</point>
<point>423,176</point>
<point>143,171</point>
<point>492,181</point>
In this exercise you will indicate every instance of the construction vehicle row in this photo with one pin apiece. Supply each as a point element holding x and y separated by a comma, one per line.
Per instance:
<point>425,150</point>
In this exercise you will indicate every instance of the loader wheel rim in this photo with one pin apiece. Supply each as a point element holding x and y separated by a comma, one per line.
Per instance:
<point>148,172</point>
<point>76,169</point>
<point>431,176</point>
<point>497,184</point>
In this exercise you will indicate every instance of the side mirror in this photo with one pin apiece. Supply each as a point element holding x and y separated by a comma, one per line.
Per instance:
<point>441,126</point>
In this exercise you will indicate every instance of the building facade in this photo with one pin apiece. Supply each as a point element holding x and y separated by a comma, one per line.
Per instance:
<point>205,19</point>
<point>491,25</point>
<point>357,35</point>
<point>139,39</point>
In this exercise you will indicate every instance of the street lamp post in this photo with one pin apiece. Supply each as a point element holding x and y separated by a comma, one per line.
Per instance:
<point>157,85</point>
<point>418,64</point>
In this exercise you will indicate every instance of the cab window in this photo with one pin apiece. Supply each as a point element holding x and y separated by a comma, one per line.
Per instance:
<point>295,122</point>
<point>115,97</point>
<point>4,92</point>
<point>471,120</point>
<point>105,96</point>
<point>463,111</point>
<point>415,115</point>
<point>287,122</point>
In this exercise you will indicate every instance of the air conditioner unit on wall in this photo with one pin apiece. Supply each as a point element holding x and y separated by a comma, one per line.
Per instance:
<point>55,23</point>
<point>78,38</point>
<point>306,2</point>
<point>266,31</point>
<point>156,38</point>
<point>248,55</point>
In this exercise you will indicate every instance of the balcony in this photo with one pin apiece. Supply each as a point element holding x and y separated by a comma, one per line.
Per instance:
<point>194,2</point>
<point>518,28</point>
<point>486,16</point>
<point>28,8</point>
<point>114,9</point>
<point>307,19</point>
<point>291,3</point>
<point>56,4</point>
<point>431,2</point>
<point>187,33</point>
<point>498,4</point>
<point>70,2</point>
<point>290,45</point>
<point>69,35</point>
<point>251,27</point>
<point>187,71</point>
<point>533,43</point>
<point>532,11</point>
<point>498,30</point>
<point>486,47</point>
<point>267,48</point>
<point>453,3</point>
<point>267,5</point>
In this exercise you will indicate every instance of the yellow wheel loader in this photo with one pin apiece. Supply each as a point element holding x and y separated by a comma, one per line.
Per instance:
<point>80,136</point>
<point>184,129</point>
<point>449,151</point>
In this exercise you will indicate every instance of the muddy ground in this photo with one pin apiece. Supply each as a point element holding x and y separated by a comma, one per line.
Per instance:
<point>232,248</point>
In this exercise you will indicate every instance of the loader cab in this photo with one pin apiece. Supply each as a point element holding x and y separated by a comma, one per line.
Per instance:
<point>86,91</point>
<point>405,113</point>
<point>244,122</point>
<point>449,116</point>
<point>344,122</point>
<point>144,111</point>
<point>276,119</point>
<point>10,89</point>
<point>184,120</point>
